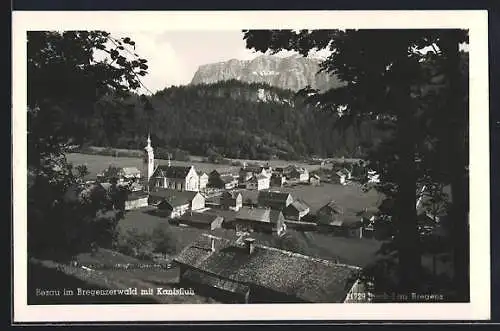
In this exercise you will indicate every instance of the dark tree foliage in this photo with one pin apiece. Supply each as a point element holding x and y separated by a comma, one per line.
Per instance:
<point>414,95</point>
<point>229,119</point>
<point>65,80</point>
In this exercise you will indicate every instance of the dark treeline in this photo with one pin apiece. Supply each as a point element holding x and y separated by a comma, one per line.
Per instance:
<point>230,119</point>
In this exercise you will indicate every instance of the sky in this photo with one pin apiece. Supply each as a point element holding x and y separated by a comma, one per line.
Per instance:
<point>174,56</point>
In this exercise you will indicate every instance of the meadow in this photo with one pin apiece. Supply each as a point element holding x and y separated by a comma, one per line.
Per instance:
<point>97,163</point>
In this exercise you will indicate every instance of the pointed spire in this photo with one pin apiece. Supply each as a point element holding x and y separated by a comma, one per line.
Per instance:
<point>149,140</point>
<point>169,164</point>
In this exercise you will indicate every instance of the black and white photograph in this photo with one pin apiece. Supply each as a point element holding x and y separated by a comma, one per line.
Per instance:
<point>196,159</point>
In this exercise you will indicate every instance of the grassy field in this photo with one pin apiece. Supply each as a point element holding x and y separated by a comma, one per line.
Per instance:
<point>97,163</point>
<point>349,197</point>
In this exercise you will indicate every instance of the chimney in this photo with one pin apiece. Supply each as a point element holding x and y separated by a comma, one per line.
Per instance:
<point>212,244</point>
<point>249,245</point>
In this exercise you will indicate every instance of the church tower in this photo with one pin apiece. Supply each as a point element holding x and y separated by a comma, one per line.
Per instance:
<point>149,158</point>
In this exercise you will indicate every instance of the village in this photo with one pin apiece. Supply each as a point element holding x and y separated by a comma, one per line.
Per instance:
<point>233,213</point>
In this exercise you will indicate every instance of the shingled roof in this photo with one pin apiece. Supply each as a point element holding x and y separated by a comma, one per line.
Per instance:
<point>200,218</point>
<point>297,205</point>
<point>173,197</point>
<point>230,194</point>
<point>253,214</point>
<point>231,266</point>
<point>178,172</point>
<point>276,196</point>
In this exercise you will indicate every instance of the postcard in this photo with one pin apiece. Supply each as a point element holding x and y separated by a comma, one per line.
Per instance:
<point>250,166</point>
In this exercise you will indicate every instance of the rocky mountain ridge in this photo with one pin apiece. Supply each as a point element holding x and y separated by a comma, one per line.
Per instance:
<point>289,73</point>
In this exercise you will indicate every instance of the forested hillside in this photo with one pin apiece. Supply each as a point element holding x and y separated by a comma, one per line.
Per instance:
<point>230,119</point>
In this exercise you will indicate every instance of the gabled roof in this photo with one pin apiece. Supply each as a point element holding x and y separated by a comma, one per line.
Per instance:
<point>275,196</point>
<point>252,168</point>
<point>275,215</point>
<point>332,207</point>
<point>230,194</point>
<point>200,218</point>
<point>253,214</point>
<point>134,195</point>
<point>178,172</point>
<point>230,266</point>
<point>173,197</point>
<point>298,206</point>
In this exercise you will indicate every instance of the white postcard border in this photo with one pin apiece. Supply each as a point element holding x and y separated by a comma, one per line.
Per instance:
<point>474,20</point>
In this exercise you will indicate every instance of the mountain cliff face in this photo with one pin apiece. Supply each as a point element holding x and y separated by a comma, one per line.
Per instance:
<point>290,73</point>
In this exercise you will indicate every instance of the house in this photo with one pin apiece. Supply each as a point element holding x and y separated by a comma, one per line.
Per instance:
<point>120,174</point>
<point>314,180</point>
<point>243,271</point>
<point>274,199</point>
<point>332,218</point>
<point>130,173</point>
<point>231,200</point>
<point>340,177</point>
<point>136,186</point>
<point>136,199</point>
<point>299,174</point>
<point>229,181</point>
<point>249,219</point>
<point>249,171</point>
<point>277,180</point>
<point>203,180</point>
<point>175,203</point>
<point>329,213</point>
<point>296,210</point>
<point>373,176</point>
<point>259,182</point>
<point>181,178</point>
<point>201,220</point>
<point>350,226</point>
<point>222,180</point>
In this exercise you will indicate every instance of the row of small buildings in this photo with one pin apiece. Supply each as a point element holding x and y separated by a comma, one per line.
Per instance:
<point>273,212</point>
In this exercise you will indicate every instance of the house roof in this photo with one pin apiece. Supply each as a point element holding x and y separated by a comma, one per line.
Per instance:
<point>178,172</point>
<point>252,168</point>
<point>201,173</point>
<point>173,197</point>
<point>131,171</point>
<point>230,194</point>
<point>297,205</point>
<point>261,176</point>
<point>273,196</point>
<point>201,218</point>
<point>274,216</point>
<point>342,172</point>
<point>315,176</point>
<point>227,178</point>
<point>254,214</point>
<point>307,278</point>
<point>333,207</point>
<point>134,195</point>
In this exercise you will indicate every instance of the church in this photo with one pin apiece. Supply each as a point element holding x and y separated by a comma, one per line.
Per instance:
<point>181,178</point>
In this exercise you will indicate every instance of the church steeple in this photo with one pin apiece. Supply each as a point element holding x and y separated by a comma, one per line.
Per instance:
<point>150,158</point>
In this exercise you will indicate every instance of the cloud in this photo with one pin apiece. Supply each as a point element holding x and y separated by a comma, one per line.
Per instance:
<point>165,66</point>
